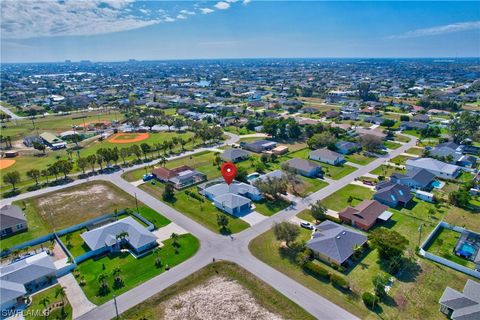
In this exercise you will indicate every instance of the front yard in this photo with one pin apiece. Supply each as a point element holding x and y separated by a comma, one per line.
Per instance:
<point>359,158</point>
<point>52,296</point>
<point>133,271</point>
<point>387,170</point>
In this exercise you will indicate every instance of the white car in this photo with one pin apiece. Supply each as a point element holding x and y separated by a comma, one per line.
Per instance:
<point>306,225</point>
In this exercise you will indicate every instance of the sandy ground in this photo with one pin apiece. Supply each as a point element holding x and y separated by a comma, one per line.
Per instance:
<point>128,137</point>
<point>5,163</point>
<point>219,298</point>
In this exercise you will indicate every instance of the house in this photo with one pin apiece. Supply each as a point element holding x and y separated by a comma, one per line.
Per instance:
<point>365,214</point>
<point>280,150</point>
<point>259,146</point>
<point>234,155</point>
<point>334,243</point>
<point>52,141</point>
<point>461,305</point>
<point>24,276</point>
<point>10,153</point>
<point>425,196</point>
<point>348,147</point>
<point>29,141</point>
<point>438,168</point>
<point>109,237</point>
<point>421,118</point>
<point>393,194</point>
<point>12,220</point>
<point>181,177</point>
<point>415,179</point>
<point>453,153</point>
<point>269,175</point>
<point>413,125</point>
<point>234,199</point>
<point>304,167</point>
<point>370,132</point>
<point>375,120</point>
<point>331,114</point>
<point>327,156</point>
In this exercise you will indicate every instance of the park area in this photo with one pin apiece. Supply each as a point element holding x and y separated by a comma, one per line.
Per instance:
<point>233,293</point>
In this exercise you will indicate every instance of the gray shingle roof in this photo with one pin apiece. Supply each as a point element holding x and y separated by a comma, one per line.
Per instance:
<point>335,241</point>
<point>235,188</point>
<point>421,176</point>
<point>325,154</point>
<point>432,164</point>
<point>302,164</point>
<point>10,216</point>
<point>234,153</point>
<point>11,290</point>
<point>394,192</point>
<point>138,236</point>
<point>28,269</point>
<point>231,200</point>
<point>466,305</point>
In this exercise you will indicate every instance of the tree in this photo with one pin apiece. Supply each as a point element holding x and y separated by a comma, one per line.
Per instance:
<point>321,140</point>
<point>318,211</point>
<point>12,178</point>
<point>60,291</point>
<point>286,231</point>
<point>44,302</point>
<point>150,122</point>
<point>459,198</point>
<point>100,159</point>
<point>371,143</point>
<point>117,280</point>
<point>389,243</point>
<point>45,174</point>
<point>273,187</point>
<point>124,153</point>
<point>242,174</point>
<point>388,123</point>
<point>40,147</point>
<point>174,238</point>
<point>379,283</point>
<point>34,174</point>
<point>82,163</point>
<point>102,279</point>
<point>222,221</point>
<point>135,149</point>
<point>92,159</point>
<point>64,167</point>
<point>370,300</point>
<point>168,194</point>
<point>146,148</point>
<point>465,125</point>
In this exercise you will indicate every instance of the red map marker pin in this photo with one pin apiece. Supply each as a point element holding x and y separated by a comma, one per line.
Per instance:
<point>229,172</point>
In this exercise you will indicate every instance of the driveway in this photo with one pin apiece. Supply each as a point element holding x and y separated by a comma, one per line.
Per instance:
<point>79,302</point>
<point>164,233</point>
<point>253,218</point>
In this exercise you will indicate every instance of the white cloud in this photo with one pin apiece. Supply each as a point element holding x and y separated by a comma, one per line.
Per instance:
<point>181,17</point>
<point>169,19</point>
<point>186,12</point>
<point>439,30</point>
<point>245,2</point>
<point>222,5</point>
<point>206,10</point>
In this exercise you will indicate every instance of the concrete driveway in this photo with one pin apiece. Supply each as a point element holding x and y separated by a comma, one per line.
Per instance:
<point>79,302</point>
<point>253,218</point>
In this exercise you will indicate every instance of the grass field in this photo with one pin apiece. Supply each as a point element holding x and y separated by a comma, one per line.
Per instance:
<point>60,209</point>
<point>269,208</point>
<point>133,271</point>
<point>359,158</point>
<point>339,200</point>
<point>36,308</point>
<point>386,170</point>
<point>266,296</point>
<point>400,159</point>
<point>204,213</point>
<point>415,150</point>
<point>392,145</point>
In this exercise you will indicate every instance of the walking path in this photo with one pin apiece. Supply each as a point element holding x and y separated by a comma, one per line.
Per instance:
<point>233,248</point>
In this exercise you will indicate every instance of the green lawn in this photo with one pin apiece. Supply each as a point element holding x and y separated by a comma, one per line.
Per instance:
<point>392,145</point>
<point>443,245</point>
<point>36,308</point>
<point>386,170</point>
<point>153,216</point>
<point>359,158</point>
<point>401,138</point>
<point>312,185</point>
<point>337,172</point>
<point>415,150</point>
<point>465,176</point>
<point>339,200</point>
<point>133,271</point>
<point>400,159</point>
<point>204,213</point>
<point>76,246</point>
<point>269,208</point>
<point>266,296</point>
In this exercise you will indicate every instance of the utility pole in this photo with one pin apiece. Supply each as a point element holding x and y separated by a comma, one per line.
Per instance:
<point>116,308</point>
<point>136,201</point>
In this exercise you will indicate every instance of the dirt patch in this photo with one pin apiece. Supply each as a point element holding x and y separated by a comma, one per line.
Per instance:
<point>128,137</point>
<point>218,298</point>
<point>71,206</point>
<point>5,163</point>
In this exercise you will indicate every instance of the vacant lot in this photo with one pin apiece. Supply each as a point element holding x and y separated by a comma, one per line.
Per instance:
<point>387,170</point>
<point>254,298</point>
<point>359,158</point>
<point>340,199</point>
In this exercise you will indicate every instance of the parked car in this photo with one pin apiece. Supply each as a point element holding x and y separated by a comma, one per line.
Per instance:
<point>148,177</point>
<point>306,225</point>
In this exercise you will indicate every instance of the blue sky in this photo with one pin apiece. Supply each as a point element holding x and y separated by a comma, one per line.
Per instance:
<point>110,30</point>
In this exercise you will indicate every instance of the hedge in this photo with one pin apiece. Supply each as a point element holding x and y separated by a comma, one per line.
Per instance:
<point>317,270</point>
<point>339,281</point>
<point>370,300</point>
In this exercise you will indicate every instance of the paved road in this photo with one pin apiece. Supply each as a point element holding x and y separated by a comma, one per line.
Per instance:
<point>232,249</point>
<point>10,113</point>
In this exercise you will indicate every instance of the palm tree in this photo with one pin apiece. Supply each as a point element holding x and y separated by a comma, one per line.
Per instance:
<point>60,291</point>
<point>102,278</point>
<point>44,302</point>
<point>162,161</point>
<point>174,238</point>
<point>117,282</point>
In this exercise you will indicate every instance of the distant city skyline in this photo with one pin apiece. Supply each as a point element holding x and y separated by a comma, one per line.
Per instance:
<point>119,30</point>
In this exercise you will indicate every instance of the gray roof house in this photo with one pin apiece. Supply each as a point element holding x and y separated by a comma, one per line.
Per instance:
<point>335,243</point>
<point>347,147</point>
<point>276,174</point>
<point>438,168</point>
<point>234,155</point>
<point>234,199</point>
<point>462,305</point>
<point>415,179</point>
<point>12,220</point>
<point>304,167</point>
<point>105,237</point>
<point>259,146</point>
<point>327,156</point>
<point>393,194</point>
<point>29,274</point>
<point>413,125</point>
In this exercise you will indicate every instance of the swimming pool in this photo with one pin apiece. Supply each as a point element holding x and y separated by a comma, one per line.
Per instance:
<point>253,176</point>
<point>438,184</point>
<point>467,250</point>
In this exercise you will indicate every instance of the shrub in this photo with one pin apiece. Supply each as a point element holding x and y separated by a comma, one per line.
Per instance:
<point>370,300</point>
<point>339,281</point>
<point>304,257</point>
<point>317,269</point>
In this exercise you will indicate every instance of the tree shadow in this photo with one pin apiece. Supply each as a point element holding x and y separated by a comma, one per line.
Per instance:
<point>291,252</point>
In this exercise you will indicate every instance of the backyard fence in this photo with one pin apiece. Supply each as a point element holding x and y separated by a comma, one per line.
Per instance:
<point>441,260</point>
